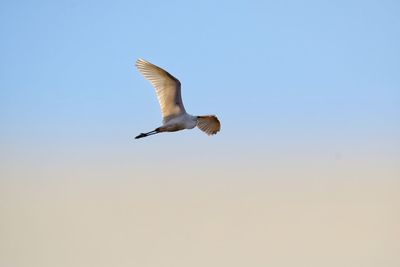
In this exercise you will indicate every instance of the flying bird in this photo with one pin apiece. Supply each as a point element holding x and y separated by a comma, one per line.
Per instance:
<point>168,90</point>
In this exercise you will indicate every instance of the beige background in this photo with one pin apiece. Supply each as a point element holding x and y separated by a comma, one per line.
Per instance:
<point>241,209</point>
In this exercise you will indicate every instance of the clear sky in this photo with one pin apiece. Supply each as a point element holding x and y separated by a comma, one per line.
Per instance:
<point>308,94</point>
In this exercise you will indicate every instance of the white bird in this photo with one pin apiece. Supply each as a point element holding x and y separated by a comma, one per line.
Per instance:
<point>168,90</point>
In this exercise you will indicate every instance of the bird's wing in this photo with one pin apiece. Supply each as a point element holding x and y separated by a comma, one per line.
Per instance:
<point>168,88</point>
<point>208,124</point>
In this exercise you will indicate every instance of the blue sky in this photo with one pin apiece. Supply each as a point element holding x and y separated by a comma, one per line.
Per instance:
<point>320,74</point>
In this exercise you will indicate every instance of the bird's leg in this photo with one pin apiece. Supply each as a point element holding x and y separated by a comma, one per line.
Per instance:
<point>147,134</point>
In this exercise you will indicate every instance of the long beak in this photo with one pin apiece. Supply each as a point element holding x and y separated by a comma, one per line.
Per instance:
<point>146,134</point>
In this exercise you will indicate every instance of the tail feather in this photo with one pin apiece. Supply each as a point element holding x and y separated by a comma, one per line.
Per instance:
<point>209,124</point>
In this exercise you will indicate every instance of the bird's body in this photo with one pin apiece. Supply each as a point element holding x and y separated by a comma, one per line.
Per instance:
<point>180,122</point>
<point>168,90</point>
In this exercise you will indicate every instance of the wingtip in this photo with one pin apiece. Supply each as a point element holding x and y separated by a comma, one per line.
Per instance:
<point>138,61</point>
<point>141,60</point>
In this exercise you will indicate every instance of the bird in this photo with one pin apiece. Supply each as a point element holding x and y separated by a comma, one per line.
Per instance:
<point>168,91</point>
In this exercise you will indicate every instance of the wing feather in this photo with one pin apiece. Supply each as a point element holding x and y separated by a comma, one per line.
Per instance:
<point>208,124</point>
<point>168,88</point>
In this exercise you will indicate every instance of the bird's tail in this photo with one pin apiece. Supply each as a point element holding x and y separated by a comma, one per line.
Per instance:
<point>208,124</point>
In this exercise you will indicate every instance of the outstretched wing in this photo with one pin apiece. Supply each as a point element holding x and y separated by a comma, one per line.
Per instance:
<point>168,88</point>
<point>208,124</point>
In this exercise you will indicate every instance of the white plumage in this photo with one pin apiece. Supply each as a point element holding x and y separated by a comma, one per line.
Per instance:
<point>168,90</point>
